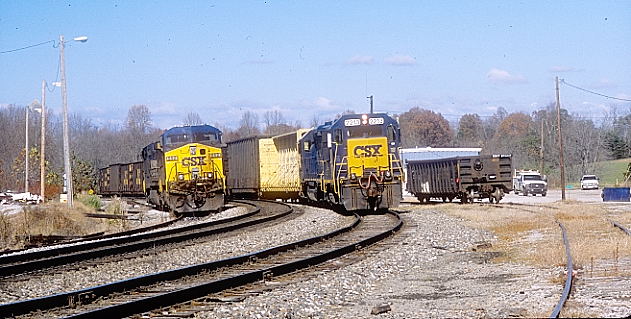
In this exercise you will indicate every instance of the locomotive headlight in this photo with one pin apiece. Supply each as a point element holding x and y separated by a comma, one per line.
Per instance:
<point>364,119</point>
<point>210,175</point>
<point>353,176</point>
<point>180,177</point>
<point>388,174</point>
<point>193,150</point>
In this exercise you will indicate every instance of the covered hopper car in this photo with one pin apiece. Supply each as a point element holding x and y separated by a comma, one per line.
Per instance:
<point>466,178</point>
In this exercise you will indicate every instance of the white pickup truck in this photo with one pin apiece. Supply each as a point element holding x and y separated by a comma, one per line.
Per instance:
<point>529,182</point>
<point>589,182</point>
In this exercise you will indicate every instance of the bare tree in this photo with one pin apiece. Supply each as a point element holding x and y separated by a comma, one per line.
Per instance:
<point>138,119</point>
<point>248,125</point>
<point>315,121</point>
<point>192,118</point>
<point>271,118</point>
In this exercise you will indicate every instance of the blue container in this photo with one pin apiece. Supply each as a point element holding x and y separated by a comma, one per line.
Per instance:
<point>616,194</point>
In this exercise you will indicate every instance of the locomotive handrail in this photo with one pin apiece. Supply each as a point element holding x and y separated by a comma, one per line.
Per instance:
<point>399,166</point>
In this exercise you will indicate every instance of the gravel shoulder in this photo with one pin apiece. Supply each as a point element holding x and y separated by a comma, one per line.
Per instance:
<point>428,270</point>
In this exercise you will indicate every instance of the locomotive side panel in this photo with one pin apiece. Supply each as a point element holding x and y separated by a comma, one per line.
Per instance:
<point>153,172</point>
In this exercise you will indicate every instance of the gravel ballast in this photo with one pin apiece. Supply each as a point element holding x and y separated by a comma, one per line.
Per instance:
<point>428,270</point>
<point>312,222</point>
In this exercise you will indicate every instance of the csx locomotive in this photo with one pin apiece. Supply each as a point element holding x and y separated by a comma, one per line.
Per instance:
<point>182,172</point>
<point>353,162</point>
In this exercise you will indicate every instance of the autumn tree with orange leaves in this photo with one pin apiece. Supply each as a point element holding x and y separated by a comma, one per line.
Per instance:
<point>422,128</point>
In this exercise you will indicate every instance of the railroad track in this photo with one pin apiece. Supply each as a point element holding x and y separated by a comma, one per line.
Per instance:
<point>569,280</point>
<point>146,293</point>
<point>38,260</point>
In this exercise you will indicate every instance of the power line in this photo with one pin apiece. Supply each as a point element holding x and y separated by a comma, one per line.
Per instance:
<point>30,46</point>
<point>592,92</point>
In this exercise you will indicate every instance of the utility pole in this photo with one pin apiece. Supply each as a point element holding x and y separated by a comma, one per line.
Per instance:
<point>541,146</point>
<point>64,98</point>
<point>561,162</point>
<point>26,153</point>
<point>370,97</point>
<point>42,158</point>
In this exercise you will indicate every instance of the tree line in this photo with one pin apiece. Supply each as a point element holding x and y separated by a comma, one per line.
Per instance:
<point>526,136</point>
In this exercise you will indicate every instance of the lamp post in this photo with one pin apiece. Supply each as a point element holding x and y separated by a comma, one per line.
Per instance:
<point>26,153</point>
<point>35,107</point>
<point>64,98</point>
<point>42,155</point>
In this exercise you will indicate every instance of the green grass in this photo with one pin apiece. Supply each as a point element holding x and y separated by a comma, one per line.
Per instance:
<point>611,173</point>
<point>92,201</point>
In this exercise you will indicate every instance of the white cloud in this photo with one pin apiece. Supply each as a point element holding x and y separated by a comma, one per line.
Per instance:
<point>591,106</point>
<point>623,96</point>
<point>361,59</point>
<point>399,59</point>
<point>502,76</point>
<point>604,84</point>
<point>324,104</point>
<point>561,68</point>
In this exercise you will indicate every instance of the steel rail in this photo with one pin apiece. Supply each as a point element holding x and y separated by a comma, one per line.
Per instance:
<point>618,225</point>
<point>568,281</point>
<point>199,290</point>
<point>54,257</point>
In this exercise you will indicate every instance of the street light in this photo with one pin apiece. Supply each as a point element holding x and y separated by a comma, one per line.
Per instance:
<point>36,107</point>
<point>42,155</point>
<point>64,98</point>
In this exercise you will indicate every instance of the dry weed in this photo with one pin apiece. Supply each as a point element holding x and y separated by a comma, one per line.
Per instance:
<point>529,234</point>
<point>51,218</point>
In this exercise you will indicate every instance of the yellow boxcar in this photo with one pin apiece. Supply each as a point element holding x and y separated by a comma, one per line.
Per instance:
<point>264,167</point>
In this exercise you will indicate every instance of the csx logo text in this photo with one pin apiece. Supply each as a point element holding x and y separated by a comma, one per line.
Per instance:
<point>193,161</point>
<point>367,150</point>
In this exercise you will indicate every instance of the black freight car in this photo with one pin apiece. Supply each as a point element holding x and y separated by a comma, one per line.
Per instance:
<point>121,179</point>
<point>242,168</point>
<point>466,178</point>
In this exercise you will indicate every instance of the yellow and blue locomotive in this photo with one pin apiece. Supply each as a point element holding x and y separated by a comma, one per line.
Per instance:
<point>183,172</point>
<point>353,162</point>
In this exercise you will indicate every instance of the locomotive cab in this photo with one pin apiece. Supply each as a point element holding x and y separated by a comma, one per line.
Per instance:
<point>190,172</point>
<point>353,162</point>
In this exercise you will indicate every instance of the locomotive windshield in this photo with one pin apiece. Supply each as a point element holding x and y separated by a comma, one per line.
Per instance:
<point>179,136</point>
<point>365,131</point>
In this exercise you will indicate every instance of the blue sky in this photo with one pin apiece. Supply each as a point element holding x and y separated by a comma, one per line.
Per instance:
<point>317,58</point>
